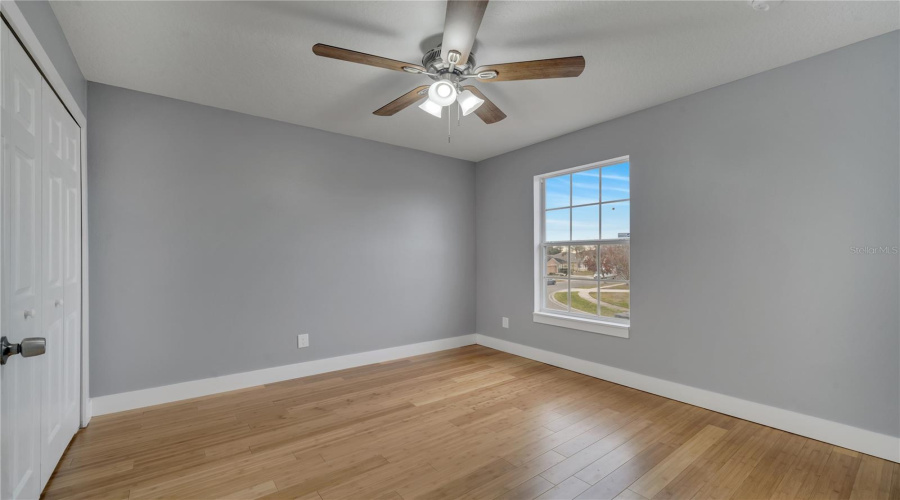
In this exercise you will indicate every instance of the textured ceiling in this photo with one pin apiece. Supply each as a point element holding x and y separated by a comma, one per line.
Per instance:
<point>256,58</point>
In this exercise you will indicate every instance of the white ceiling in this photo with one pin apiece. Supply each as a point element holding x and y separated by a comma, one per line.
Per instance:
<point>256,58</point>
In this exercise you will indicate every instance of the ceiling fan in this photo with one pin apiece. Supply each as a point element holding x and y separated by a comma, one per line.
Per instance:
<point>452,62</point>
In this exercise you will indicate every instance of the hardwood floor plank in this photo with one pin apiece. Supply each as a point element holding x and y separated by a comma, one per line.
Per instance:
<point>181,481</point>
<point>515,477</point>
<point>458,487</point>
<point>602,467</point>
<point>528,490</point>
<point>380,481</point>
<point>586,439</point>
<point>764,478</point>
<point>895,483</point>
<point>255,491</point>
<point>311,496</point>
<point>542,446</point>
<point>630,495</point>
<point>614,484</point>
<point>569,467</point>
<point>727,479</point>
<point>799,481</point>
<point>704,470</point>
<point>493,444</point>
<point>391,495</point>
<point>840,474</point>
<point>419,486</point>
<point>657,478</point>
<point>566,490</point>
<point>873,480</point>
<point>471,423</point>
<point>321,479</point>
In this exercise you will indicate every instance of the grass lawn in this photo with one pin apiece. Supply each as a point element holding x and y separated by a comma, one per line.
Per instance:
<point>608,312</point>
<point>615,298</point>
<point>578,303</point>
<point>582,305</point>
<point>561,297</point>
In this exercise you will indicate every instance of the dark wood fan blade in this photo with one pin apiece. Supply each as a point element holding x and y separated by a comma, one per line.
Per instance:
<point>460,27</point>
<point>408,99</point>
<point>563,67</point>
<point>323,50</point>
<point>488,112</point>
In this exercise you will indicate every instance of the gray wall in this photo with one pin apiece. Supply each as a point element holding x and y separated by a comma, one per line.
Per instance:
<point>217,237</point>
<point>746,199</point>
<point>45,26</point>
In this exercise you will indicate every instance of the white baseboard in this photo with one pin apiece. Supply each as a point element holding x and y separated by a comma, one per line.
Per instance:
<point>86,413</point>
<point>846,436</point>
<point>185,390</point>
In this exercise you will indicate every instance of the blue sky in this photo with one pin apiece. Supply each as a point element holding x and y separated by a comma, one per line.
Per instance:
<point>616,182</point>
<point>586,189</point>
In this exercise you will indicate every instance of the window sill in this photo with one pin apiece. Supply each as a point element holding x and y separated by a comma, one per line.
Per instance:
<point>587,325</point>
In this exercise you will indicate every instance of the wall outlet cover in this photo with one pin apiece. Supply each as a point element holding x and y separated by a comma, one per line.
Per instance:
<point>505,322</point>
<point>302,340</point>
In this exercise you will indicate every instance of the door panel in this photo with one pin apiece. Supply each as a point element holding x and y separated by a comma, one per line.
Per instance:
<point>72,290</point>
<point>52,289</point>
<point>61,281</point>
<point>20,378</point>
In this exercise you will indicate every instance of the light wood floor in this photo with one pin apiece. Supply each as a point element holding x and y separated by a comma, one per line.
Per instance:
<point>465,423</point>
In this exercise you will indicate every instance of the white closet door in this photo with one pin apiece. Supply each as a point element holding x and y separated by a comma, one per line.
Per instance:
<point>61,280</point>
<point>20,442</point>
<point>72,273</point>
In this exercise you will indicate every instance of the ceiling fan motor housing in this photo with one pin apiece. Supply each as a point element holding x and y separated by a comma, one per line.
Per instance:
<point>440,69</point>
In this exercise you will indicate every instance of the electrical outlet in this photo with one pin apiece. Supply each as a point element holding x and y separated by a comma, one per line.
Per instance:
<point>302,340</point>
<point>505,322</point>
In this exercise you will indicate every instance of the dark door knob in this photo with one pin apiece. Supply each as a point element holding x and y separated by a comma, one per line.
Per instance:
<point>32,346</point>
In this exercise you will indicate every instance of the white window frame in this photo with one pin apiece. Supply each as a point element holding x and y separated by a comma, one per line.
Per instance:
<point>606,326</point>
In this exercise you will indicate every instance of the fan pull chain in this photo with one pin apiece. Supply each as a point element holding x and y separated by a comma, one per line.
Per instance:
<point>448,127</point>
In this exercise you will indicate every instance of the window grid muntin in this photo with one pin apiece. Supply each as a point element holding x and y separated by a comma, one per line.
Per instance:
<point>571,206</point>
<point>568,278</point>
<point>599,243</point>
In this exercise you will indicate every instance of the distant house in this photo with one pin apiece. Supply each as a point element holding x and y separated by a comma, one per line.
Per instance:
<point>557,264</point>
<point>580,261</point>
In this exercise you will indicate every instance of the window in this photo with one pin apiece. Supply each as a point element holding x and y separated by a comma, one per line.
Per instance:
<point>582,254</point>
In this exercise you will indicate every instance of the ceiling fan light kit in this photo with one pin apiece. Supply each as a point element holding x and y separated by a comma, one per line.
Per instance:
<point>468,102</point>
<point>442,93</point>
<point>432,108</point>
<point>453,62</point>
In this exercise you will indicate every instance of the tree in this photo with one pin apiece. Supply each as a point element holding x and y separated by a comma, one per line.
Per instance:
<point>591,263</point>
<point>614,261</point>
